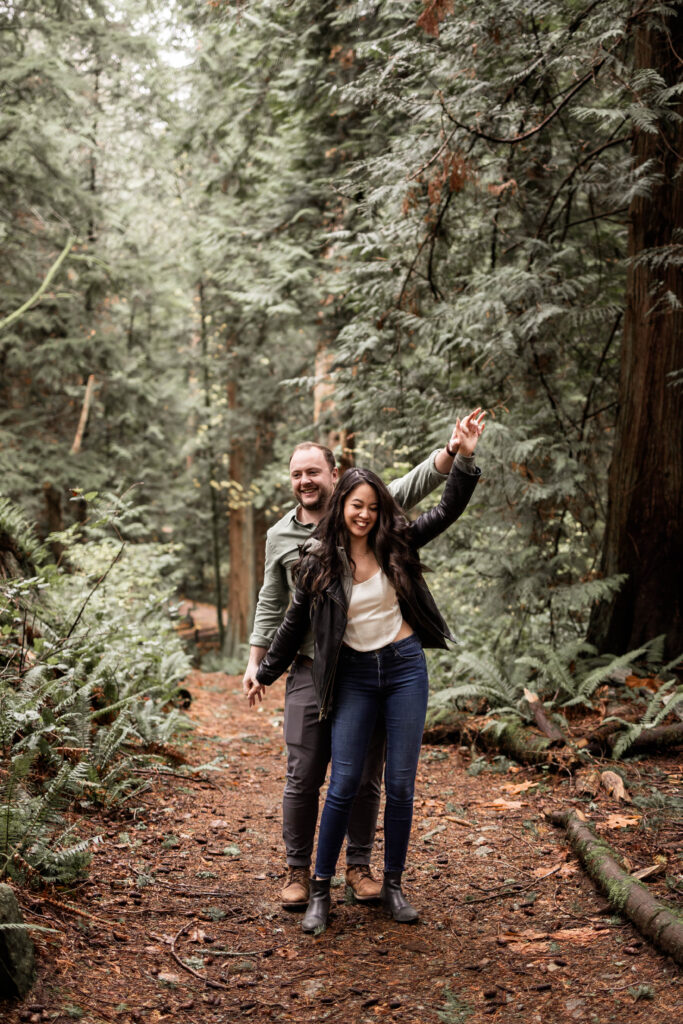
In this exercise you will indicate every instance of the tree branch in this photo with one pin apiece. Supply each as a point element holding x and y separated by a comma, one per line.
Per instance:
<point>539,127</point>
<point>18,313</point>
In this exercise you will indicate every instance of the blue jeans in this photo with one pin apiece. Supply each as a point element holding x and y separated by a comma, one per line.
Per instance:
<point>390,683</point>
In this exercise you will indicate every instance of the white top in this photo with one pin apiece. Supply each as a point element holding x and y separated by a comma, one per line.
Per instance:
<point>374,617</point>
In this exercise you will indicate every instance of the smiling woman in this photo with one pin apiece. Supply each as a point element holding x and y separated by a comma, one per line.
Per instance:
<point>360,513</point>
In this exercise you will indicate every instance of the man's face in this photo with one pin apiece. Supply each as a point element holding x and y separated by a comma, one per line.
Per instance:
<point>312,479</point>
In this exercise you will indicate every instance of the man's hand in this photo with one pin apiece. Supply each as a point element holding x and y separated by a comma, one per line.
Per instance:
<point>251,688</point>
<point>467,432</point>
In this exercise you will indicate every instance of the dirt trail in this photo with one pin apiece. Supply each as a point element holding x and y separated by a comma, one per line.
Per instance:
<point>511,929</point>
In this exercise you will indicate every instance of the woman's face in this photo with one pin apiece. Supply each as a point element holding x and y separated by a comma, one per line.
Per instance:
<point>361,510</point>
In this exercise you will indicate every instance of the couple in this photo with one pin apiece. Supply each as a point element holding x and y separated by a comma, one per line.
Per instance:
<point>354,634</point>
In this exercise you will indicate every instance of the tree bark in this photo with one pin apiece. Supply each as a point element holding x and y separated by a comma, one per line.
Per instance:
<point>657,922</point>
<point>212,468</point>
<point>517,742</point>
<point>83,420</point>
<point>644,534</point>
<point>241,584</point>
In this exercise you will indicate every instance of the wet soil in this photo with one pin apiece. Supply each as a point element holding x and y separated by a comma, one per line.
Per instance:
<point>179,918</point>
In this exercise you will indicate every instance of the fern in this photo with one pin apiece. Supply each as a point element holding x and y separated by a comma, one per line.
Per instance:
<point>660,706</point>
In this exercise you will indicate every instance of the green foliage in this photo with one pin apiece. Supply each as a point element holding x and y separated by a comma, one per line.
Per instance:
<point>659,707</point>
<point>562,678</point>
<point>434,197</point>
<point>92,664</point>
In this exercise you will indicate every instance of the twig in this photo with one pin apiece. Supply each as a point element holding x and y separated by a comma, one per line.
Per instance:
<point>191,970</point>
<point>500,894</point>
<point>539,127</point>
<point>94,588</point>
<point>72,909</point>
<point>433,158</point>
<point>193,892</point>
<point>240,952</point>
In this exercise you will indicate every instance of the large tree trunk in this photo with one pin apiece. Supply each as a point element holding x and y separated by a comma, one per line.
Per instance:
<point>644,533</point>
<point>216,509</point>
<point>241,585</point>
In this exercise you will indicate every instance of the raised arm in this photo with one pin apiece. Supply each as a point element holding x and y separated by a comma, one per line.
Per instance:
<point>410,489</point>
<point>459,485</point>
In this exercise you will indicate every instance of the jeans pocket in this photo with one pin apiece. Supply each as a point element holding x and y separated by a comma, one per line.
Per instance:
<point>409,649</point>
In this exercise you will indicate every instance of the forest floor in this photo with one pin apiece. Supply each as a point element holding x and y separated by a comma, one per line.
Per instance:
<point>180,919</point>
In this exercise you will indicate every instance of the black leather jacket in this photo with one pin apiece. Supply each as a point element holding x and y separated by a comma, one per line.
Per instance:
<point>326,613</point>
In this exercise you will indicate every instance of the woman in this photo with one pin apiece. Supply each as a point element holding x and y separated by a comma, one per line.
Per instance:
<point>360,587</point>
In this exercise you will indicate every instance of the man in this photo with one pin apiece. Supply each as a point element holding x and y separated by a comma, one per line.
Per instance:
<point>313,475</point>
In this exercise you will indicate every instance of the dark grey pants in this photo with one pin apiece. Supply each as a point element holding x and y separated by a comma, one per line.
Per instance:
<point>308,755</point>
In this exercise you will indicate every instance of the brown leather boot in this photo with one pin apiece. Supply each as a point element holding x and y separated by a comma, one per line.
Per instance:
<point>296,889</point>
<point>363,885</point>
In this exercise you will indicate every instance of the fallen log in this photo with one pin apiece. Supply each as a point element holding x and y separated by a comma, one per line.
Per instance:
<point>658,922</point>
<point>518,742</point>
<point>664,737</point>
<point>511,737</point>
<point>446,726</point>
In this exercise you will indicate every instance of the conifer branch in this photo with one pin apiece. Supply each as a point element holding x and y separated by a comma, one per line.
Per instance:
<point>18,313</point>
<point>532,131</point>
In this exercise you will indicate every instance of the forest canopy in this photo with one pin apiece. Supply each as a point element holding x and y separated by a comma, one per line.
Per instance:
<point>228,227</point>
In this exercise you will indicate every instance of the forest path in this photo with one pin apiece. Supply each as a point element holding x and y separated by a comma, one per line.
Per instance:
<point>194,865</point>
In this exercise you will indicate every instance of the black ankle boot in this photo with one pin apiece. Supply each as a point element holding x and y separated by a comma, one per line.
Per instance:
<point>318,909</point>
<point>394,901</point>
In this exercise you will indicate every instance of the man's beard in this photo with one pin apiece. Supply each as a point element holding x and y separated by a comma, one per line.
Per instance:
<point>317,503</point>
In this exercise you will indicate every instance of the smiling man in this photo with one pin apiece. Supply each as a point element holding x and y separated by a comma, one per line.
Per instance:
<point>313,475</point>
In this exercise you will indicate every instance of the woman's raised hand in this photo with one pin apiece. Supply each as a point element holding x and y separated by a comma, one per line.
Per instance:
<point>467,431</point>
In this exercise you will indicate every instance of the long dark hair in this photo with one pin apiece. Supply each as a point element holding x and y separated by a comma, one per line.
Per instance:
<point>388,539</point>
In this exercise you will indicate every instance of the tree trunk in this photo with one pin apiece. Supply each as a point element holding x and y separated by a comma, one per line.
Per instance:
<point>216,522</point>
<point>644,535</point>
<point>241,585</point>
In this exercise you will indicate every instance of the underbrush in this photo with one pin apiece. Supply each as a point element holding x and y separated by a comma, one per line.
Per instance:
<point>90,670</point>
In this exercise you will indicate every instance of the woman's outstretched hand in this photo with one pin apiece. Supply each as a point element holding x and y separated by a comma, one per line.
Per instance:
<point>467,431</point>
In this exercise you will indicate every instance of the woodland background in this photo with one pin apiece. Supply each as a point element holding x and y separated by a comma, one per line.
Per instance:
<point>228,227</point>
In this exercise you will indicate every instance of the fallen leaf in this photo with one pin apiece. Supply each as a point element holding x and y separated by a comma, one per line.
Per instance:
<point>649,682</point>
<point>168,978</point>
<point>614,785</point>
<point>579,935</point>
<point>568,869</point>
<point>519,787</point>
<point>587,782</point>
<point>619,821</point>
<point>288,954</point>
<point>527,936</point>
<point>510,805</point>
<point>650,872</point>
<point>545,870</point>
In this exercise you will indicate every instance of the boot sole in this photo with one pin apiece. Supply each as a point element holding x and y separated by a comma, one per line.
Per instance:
<point>351,897</point>
<point>295,906</point>
<point>411,920</point>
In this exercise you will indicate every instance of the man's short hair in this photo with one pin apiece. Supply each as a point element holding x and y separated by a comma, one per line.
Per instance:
<point>327,452</point>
